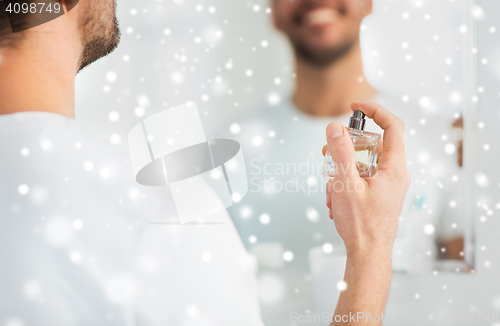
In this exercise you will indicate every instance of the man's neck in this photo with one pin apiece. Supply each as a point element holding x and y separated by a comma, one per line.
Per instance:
<point>330,90</point>
<point>38,75</point>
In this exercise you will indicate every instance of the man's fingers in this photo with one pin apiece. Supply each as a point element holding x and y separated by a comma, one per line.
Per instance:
<point>325,148</point>
<point>380,148</point>
<point>329,187</point>
<point>393,152</point>
<point>342,151</point>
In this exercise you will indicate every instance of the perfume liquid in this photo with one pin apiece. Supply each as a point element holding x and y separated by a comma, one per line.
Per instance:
<point>365,145</point>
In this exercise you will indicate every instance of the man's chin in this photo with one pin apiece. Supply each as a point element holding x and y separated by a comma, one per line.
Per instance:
<point>100,47</point>
<point>318,57</point>
<point>100,32</point>
<point>320,52</point>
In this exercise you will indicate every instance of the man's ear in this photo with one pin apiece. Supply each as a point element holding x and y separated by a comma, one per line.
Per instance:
<point>367,7</point>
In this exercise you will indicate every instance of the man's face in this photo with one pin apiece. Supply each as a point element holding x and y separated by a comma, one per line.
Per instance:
<point>321,31</point>
<point>99,30</point>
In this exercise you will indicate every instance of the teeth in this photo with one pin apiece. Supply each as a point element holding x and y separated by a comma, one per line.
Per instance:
<point>320,16</point>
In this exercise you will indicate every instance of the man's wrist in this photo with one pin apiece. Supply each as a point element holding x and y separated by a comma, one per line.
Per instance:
<point>370,255</point>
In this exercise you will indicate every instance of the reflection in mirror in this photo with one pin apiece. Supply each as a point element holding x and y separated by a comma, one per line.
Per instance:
<point>416,58</point>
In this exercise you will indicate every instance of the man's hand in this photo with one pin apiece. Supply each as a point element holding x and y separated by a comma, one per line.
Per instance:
<point>366,212</point>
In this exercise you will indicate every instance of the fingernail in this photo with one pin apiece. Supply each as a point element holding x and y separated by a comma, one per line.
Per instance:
<point>334,130</point>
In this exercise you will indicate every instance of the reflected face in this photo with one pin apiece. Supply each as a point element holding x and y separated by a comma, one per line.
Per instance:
<point>99,30</point>
<point>321,31</point>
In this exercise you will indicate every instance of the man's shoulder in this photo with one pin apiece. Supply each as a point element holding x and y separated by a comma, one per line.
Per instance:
<point>53,145</point>
<point>44,127</point>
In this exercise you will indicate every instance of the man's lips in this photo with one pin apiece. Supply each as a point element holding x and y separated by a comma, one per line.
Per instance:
<point>319,16</point>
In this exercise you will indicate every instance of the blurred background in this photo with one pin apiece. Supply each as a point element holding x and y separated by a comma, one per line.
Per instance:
<point>439,56</point>
<point>229,59</point>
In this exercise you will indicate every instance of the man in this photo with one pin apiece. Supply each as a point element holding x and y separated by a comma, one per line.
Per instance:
<point>75,245</point>
<point>284,208</point>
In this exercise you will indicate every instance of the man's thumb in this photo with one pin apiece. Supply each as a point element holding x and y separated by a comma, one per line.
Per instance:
<point>342,150</point>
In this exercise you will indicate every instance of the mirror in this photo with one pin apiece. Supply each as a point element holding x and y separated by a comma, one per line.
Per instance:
<point>420,56</point>
<point>229,58</point>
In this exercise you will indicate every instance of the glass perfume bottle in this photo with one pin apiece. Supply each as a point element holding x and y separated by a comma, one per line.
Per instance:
<point>365,145</point>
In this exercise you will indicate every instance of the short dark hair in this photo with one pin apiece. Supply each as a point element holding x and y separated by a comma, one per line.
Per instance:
<point>12,27</point>
<point>7,37</point>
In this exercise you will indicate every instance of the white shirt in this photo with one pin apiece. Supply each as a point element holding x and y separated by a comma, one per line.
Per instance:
<point>285,206</point>
<point>77,246</point>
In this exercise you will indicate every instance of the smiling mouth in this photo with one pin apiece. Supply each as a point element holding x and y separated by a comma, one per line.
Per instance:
<point>319,16</point>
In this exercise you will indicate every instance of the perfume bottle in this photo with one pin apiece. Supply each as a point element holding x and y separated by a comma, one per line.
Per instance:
<point>365,146</point>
